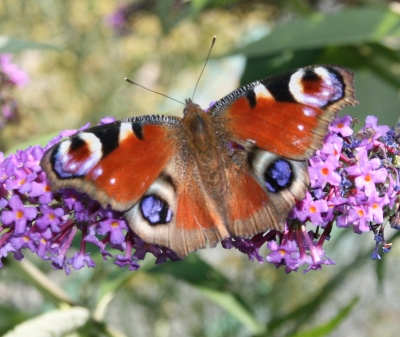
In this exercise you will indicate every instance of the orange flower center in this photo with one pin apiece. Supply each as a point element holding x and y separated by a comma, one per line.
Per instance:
<point>325,171</point>
<point>368,178</point>
<point>313,209</point>
<point>20,214</point>
<point>360,212</point>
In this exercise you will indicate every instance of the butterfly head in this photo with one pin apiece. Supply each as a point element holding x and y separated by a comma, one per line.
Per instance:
<point>191,108</point>
<point>198,125</point>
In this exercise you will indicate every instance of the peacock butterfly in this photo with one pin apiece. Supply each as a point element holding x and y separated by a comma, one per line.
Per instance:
<point>234,170</point>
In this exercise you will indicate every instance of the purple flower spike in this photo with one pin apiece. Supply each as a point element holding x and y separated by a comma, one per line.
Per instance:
<point>143,248</point>
<point>78,260</point>
<point>15,75</point>
<point>11,77</point>
<point>123,261</point>
<point>323,172</point>
<point>354,183</point>
<point>284,254</point>
<point>372,132</point>
<point>21,182</point>
<point>18,215</point>
<point>115,228</point>
<point>50,218</point>
<point>342,126</point>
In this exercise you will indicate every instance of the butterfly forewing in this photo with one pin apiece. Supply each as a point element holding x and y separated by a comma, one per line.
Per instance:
<point>114,163</point>
<point>287,114</point>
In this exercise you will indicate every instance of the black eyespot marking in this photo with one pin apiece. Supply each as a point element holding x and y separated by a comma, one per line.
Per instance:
<point>56,163</point>
<point>76,143</point>
<point>310,75</point>
<point>251,97</point>
<point>280,89</point>
<point>338,84</point>
<point>278,175</point>
<point>138,130</point>
<point>109,138</point>
<point>155,210</point>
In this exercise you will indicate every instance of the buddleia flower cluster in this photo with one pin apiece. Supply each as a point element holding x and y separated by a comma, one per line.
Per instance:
<point>354,184</point>
<point>10,77</point>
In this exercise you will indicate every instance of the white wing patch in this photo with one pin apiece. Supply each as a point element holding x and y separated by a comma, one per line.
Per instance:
<point>125,131</point>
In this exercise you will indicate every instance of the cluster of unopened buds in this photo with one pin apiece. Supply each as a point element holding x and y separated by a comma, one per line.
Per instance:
<point>354,183</point>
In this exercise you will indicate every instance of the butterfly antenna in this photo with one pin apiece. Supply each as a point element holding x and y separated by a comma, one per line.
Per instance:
<point>205,63</point>
<point>156,92</point>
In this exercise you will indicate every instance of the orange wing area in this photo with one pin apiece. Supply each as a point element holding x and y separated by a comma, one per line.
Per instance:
<point>249,208</point>
<point>291,130</point>
<point>247,198</point>
<point>198,217</point>
<point>192,213</point>
<point>129,170</point>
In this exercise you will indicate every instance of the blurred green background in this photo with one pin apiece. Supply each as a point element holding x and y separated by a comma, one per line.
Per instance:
<point>77,54</point>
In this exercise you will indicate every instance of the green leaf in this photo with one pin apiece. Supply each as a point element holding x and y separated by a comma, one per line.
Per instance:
<point>32,275</point>
<point>213,285</point>
<point>11,45</point>
<point>168,16</point>
<point>10,316</point>
<point>198,5</point>
<point>306,311</point>
<point>329,327</point>
<point>54,323</point>
<point>261,67</point>
<point>376,97</point>
<point>347,27</point>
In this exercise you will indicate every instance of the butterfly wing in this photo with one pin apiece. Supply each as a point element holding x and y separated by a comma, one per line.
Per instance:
<point>274,126</point>
<point>176,211</point>
<point>113,163</point>
<point>143,167</point>
<point>257,198</point>
<point>287,114</point>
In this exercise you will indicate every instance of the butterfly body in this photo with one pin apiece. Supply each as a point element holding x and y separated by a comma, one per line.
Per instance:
<point>235,170</point>
<point>205,144</point>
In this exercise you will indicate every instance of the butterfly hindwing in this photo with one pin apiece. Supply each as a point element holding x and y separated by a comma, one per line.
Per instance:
<point>263,188</point>
<point>176,212</point>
